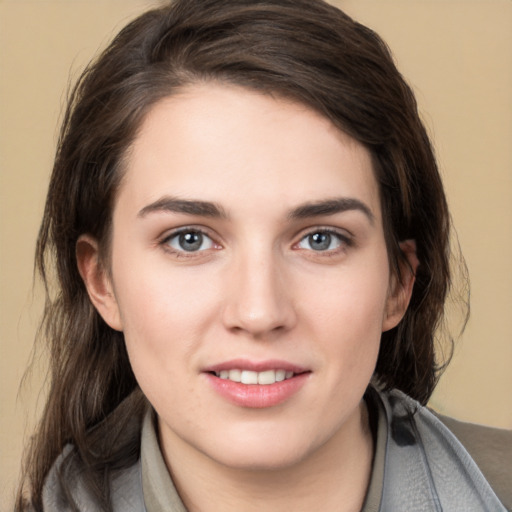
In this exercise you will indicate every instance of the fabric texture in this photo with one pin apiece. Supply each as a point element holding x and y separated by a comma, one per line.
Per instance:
<point>126,489</point>
<point>419,466</point>
<point>427,468</point>
<point>491,449</point>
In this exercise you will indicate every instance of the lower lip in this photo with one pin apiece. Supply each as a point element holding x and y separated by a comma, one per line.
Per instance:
<point>255,395</point>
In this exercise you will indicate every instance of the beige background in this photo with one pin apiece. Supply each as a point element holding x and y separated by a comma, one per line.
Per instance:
<point>456,53</point>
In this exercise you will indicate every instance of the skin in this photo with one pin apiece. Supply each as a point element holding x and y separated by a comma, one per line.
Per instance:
<point>257,289</point>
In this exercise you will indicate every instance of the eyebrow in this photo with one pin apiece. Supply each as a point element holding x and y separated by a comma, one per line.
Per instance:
<point>213,210</point>
<point>331,207</point>
<point>187,206</point>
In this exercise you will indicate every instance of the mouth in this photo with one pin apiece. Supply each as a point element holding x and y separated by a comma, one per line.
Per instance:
<point>264,378</point>
<point>257,384</point>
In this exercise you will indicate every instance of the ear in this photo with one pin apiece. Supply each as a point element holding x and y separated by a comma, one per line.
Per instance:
<point>97,282</point>
<point>401,290</point>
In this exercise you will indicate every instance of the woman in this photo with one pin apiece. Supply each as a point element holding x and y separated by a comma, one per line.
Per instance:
<point>251,245</point>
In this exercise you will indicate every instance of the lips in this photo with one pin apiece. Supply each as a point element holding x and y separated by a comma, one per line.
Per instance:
<point>256,384</point>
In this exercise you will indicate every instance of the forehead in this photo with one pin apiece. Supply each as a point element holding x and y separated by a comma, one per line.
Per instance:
<point>231,145</point>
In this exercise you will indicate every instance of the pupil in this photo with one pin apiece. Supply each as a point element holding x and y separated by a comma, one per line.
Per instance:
<point>191,241</point>
<point>320,241</point>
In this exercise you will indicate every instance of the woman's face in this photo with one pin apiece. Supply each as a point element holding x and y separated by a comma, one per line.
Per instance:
<point>248,245</point>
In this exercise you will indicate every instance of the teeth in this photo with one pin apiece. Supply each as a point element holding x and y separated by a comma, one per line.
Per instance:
<point>280,375</point>
<point>235,375</point>
<point>249,377</point>
<point>268,377</point>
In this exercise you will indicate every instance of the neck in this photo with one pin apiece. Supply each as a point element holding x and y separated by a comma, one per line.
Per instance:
<point>336,475</point>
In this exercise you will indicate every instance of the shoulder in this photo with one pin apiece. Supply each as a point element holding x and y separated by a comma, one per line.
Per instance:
<point>105,474</point>
<point>449,462</point>
<point>66,487</point>
<point>491,449</point>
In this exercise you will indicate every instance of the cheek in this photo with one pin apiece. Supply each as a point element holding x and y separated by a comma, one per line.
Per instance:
<point>163,328</point>
<point>350,301</point>
<point>154,312</point>
<point>168,314</point>
<point>346,314</point>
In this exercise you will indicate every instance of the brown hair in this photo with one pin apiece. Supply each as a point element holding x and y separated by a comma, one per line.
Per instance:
<point>305,50</point>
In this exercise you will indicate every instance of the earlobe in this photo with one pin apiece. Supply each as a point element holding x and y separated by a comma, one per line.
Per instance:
<point>401,290</point>
<point>97,281</point>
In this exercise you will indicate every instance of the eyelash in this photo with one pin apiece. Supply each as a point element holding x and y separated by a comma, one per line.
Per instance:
<point>183,253</point>
<point>345,241</point>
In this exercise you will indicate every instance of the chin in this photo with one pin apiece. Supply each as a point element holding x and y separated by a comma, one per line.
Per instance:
<point>261,462</point>
<point>260,452</point>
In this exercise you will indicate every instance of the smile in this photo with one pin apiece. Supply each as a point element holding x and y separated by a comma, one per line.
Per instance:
<point>253,384</point>
<point>264,378</point>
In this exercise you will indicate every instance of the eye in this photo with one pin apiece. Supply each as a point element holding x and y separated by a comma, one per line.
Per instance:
<point>190,240</point>
<point>321,241</point>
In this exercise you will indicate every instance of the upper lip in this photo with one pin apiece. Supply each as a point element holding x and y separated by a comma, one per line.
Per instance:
<point>256,366</point>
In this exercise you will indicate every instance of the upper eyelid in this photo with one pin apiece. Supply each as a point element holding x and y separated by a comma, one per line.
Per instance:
<point>304,232</point>
<point>165,242</point>
<point>168,234</point>
<point>345,233</point>
<point>345,238</point>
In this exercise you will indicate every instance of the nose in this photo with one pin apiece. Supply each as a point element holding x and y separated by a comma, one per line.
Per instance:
<point>260,301</point>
